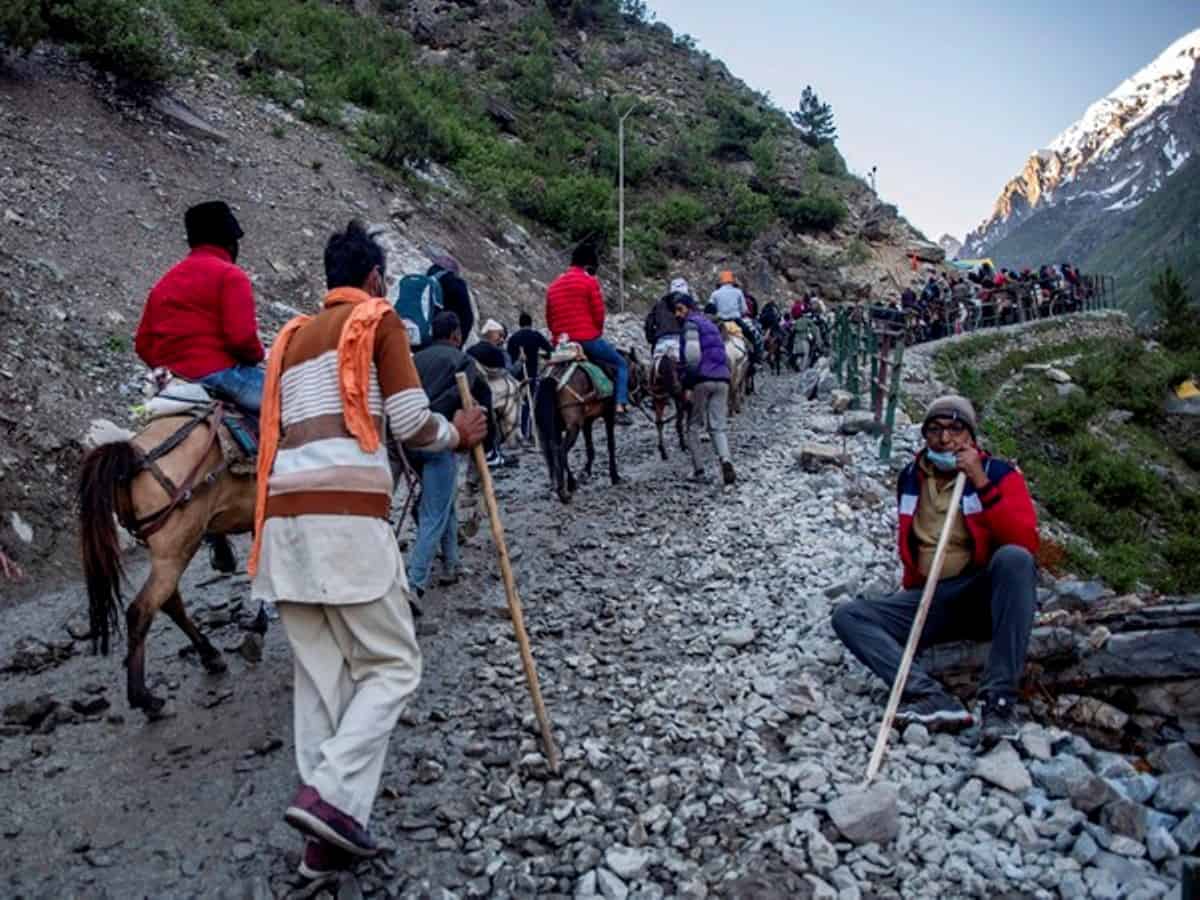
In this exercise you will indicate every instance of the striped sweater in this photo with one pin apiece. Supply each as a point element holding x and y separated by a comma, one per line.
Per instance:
<point>326,537</point>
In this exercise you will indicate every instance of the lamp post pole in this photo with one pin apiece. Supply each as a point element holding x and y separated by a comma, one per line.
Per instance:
<point>874,169</point>
<point>621,205</point>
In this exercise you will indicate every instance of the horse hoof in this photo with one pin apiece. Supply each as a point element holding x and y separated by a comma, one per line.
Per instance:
<point>214,663</point>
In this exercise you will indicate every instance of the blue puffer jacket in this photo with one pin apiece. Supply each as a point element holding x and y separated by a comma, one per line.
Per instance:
<point>701,351</point>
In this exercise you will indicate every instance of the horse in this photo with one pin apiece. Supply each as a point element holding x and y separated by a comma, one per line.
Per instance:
<point>168,485</point>
<point>738,355</point>
<point>773,344</point>
<point>561,409</point>
<point>506,402</point>
<point>665,385</point>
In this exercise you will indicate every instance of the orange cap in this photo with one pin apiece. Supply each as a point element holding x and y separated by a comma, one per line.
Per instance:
<point>726,277</point>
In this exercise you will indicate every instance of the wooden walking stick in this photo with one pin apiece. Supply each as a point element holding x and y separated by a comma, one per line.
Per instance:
<point>510,588</point>
<point>914,634</point>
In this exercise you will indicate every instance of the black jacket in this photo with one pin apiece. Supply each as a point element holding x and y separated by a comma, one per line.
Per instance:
<point>455,297</point>
<point>661,321</point>
<point>438,364</point>
<point>528,343</point>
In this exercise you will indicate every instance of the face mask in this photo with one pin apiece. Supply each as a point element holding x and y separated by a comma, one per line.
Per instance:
<point>943,460</point>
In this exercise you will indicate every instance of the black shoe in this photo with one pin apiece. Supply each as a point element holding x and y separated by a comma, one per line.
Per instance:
<point>727,474</point>
<point>624,418</point>
<point>1000,721</point>
<point>699,477</point>
<point>412,604</point>
<point>937,712</point>
<point>220,554</point>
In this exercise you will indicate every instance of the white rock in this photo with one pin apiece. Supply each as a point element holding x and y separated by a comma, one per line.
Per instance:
<point>627,862</point>
<point>23,529</point>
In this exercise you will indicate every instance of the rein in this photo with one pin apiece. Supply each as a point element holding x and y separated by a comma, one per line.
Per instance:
<point>147,526</point>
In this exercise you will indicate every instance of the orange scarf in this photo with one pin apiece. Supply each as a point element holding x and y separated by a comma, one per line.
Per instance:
<point>355,350</point>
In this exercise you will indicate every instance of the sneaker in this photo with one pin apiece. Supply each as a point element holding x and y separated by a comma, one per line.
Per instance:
<point>220,554</point>
<point>322,859</point>
<point>1000,721</point>
<point>624,418</point>
<point>325,822</point>
<point>727,473</point>
<point>447,579</point>
<point>493,459</point>
<point>937,712</point>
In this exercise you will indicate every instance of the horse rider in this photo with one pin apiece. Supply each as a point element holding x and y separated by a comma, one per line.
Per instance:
<point>199,322</point>
<point>526,346</point>
<point>705,376</point>
<point>324,549</point>
<point>988,588</point>
<point>662,327</point>
<point>438,364</point>
<point>732,307</point>
<point>575,309</point>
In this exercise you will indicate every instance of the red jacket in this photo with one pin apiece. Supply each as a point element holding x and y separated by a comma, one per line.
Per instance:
<point>1002,513</point>
<point>575,306</point>
<point>199,318</point>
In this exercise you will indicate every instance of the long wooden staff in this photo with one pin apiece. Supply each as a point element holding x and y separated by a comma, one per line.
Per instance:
<point>510,588</point>
<point>914,634</point>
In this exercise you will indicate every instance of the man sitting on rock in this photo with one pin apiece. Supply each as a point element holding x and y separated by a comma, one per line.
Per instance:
<point>988,585</point>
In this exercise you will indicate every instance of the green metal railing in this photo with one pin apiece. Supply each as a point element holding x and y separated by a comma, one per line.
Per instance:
<point>864,351</point>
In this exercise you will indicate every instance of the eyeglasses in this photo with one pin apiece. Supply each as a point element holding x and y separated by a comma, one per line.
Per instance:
<point>934,430</point>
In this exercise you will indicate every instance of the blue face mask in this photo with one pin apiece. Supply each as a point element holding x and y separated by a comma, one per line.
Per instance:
<point>943,460</point>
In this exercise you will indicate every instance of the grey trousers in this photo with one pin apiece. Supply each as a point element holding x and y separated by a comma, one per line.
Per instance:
<point>997,604</point>
<point>710,405</point>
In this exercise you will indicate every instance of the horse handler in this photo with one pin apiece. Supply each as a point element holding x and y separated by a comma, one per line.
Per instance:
<point>988,589</point>
<point>324,550</point>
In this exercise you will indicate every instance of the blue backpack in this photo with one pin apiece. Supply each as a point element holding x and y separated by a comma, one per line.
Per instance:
<point>418,300</point>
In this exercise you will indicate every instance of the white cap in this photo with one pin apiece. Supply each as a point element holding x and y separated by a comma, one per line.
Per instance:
<point>680,286</point>
<point>491,325</point>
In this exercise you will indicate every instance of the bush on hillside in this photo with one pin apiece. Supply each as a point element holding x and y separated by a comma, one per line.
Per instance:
<point>22,24</point>
<point>744,214</point>
<point>125,37</point>
<point>580,206</point>
<point>679,214</point>
<point>829,161</point>
<point>1178,315</point>
<point>811,212</point>
<point>739,125</point>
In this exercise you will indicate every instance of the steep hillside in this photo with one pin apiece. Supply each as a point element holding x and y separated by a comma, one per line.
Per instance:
<point>93,182</point>
<point>1080,193</point>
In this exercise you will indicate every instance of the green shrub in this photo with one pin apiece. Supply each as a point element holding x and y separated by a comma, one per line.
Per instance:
<point>686,161</point>
<point>742,216</point>
<point>22,24</point>
<point>580,206</point>
<point>679,214</point>
<point>1178,315</point>
<point>811,212</point>
<point>829,161</point>
<point>125,37</point>
<point>739,125</point>
<point>646,242</point>
<point>1065,416</point>
<point>1122,565</point>
<point>765,153</point>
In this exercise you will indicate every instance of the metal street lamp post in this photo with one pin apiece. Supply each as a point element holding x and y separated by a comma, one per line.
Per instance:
<point>621,204</point>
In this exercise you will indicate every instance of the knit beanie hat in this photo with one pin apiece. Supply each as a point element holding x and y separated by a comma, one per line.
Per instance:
<point>211,223</point>
<point>953,407</point>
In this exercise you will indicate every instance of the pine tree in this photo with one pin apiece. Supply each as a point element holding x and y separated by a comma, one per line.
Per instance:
<point>814,119</point>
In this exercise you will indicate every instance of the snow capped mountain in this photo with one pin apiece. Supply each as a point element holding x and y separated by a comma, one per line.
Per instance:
<point>1119,152</point>
<point>951,244</point>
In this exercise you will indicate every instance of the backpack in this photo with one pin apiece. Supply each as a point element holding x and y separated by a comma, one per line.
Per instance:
<point>650,326</point>
<point>418,300</point>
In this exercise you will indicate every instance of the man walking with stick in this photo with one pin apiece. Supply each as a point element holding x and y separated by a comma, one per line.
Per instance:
<point>988,586</point>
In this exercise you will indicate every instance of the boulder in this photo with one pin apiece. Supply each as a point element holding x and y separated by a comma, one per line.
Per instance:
<point>869,816</point>
<point>815,456</point>
<point>1178,792</point>
<point>1003,768</point>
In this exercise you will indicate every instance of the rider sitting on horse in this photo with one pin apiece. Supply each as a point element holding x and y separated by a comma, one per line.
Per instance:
<point>575,308</point>
<point>662,327</point>
<point>732,307</point>
<point>199,321</point>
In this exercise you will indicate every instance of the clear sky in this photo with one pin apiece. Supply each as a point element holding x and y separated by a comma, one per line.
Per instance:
<point>948,99</point>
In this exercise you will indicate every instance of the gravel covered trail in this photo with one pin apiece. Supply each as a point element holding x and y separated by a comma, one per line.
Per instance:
<point>705,712</point>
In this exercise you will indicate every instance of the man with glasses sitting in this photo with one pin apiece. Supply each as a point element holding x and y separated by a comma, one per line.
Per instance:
<point>988,586</point>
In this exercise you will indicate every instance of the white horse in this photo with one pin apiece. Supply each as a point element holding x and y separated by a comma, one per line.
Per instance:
<point>737,353</point>
<point>506,402</point>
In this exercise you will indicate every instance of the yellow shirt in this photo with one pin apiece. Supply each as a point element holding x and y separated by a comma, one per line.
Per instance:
<point>932,507</point>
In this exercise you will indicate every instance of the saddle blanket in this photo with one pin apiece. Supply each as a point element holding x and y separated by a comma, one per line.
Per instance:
<point>601,383</point>
<point>238,437</point>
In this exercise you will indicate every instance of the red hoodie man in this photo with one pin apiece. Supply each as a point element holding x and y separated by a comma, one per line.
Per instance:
<point>988,588</point>
<point>199,320</point>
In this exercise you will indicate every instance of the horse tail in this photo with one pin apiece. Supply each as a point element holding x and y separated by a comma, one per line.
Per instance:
<point>106,470</point>
<point>545,419</point>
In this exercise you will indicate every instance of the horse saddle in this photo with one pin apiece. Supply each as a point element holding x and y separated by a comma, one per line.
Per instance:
<point>601,377</point>
<point>175,396</point>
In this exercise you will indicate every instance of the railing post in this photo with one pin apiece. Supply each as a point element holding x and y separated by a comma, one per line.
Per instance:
<point>889,425</point>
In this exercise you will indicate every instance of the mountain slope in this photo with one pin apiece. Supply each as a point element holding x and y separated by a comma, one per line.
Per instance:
<point>1164,230</point>
<point>1076,195</point>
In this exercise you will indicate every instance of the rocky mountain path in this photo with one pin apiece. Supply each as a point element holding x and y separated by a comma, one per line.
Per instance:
<point>710,722</point>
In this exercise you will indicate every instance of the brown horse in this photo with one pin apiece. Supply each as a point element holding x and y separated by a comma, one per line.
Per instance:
<point>170,501</point>
<point>665,386</point>
<point>560,411</point>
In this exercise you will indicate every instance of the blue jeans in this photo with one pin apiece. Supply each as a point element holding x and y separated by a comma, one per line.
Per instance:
<point>437,524</point>
<point>242,384</point>
<point>601,351</point>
